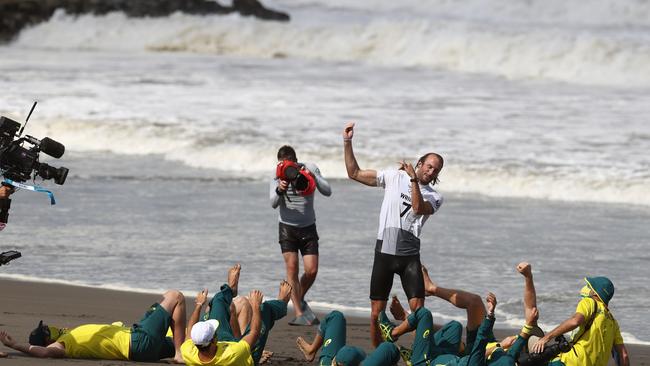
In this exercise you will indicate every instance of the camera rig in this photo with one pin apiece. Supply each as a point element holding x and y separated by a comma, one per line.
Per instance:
<point>19,163</point>
<point>300,180</point>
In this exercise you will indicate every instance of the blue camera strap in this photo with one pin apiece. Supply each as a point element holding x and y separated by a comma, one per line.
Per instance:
<point>31,188</point>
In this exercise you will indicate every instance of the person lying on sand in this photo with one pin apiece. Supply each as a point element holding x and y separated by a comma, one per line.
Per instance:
<point>450,334</point>
<point>331,336</point>
<point>597,334</point>
<point>144,341</point>
<point>215,340</point>
<point>424,350</point>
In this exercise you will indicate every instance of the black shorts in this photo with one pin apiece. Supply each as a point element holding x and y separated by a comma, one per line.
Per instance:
<point>303,239</point>
<point>386,266</point>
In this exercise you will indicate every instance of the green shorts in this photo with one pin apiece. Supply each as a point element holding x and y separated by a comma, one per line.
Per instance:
<point>447,339</point>
<point>332,330</point>
<point>470,338</point>
<point>148,341</point>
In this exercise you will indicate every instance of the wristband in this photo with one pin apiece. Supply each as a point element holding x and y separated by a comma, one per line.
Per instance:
<point>344,139</point>
<point>277,191</point>
<point>527,329</point>
<point>414,180</point>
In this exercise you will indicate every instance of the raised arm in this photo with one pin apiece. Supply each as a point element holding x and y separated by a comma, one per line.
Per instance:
<point>194,318</point>
<point>54,350</point>
<point>255,298</point>
<point>365,176</point>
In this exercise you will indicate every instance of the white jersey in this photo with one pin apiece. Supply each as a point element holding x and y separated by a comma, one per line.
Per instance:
<point>399,226</point>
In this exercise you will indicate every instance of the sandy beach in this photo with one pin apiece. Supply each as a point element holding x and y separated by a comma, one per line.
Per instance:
<point>23,304</point>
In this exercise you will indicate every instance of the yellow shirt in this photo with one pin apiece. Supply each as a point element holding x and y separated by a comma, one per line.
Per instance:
<point>595,346</point>
<point>228,354</point>
<point>100,341</point>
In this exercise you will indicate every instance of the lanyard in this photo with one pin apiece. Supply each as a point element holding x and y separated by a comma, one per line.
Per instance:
<point>31,188</point>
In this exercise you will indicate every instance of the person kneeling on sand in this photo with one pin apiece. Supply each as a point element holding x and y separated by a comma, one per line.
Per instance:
<point>216,341</point>
<point>144,341</point>
<point>331,336</point>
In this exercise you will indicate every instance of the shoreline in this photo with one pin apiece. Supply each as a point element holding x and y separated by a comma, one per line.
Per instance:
<point>323,308</point>
<point>24,303</point>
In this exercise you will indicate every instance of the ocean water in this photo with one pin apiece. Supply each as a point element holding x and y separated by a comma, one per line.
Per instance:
<point>171,126</point>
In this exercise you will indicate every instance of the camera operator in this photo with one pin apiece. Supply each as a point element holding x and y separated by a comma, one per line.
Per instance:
<point>5,203</point>
<point>297,226</point>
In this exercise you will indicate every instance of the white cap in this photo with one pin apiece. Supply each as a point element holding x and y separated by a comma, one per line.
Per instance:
<point>203,332</point>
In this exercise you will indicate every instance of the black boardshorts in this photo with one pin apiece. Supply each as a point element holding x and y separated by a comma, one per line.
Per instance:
<point>294,239</point>
<point>386,266</point>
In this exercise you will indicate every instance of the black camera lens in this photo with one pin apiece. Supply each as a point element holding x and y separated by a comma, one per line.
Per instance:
<point>291,173</point>
<point>49,172</point>
<point>301,182</point>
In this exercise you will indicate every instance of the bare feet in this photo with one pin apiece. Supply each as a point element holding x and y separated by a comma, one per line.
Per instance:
<point>285,291</point>
<point>397,310</point>
<point>306,350</point>
<point>525,269</point>
<point>233,278</point>
<point>3,355</point>
<point>491,300</point>
<point>178,359</point>
<point>429,286</point>
<point>266,356</point>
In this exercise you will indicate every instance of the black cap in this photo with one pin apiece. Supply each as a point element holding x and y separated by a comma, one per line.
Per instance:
<point>38,336</point>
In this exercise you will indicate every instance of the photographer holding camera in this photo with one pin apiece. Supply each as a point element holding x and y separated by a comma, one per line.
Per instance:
<point>19,162</point>
<point>5,203</point>
<point>293,191</point>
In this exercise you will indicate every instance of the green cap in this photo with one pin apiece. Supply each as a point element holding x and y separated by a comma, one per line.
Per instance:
<point>602,286</point>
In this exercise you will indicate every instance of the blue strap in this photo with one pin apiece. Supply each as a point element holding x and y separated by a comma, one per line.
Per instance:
<point>31,188</point>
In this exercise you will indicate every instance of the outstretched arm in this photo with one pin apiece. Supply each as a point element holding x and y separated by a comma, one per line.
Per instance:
<point>255,298</point>
<point>568,325</point>
<point>367,176</point>
<point>194,318</point>
<point>54,350</point>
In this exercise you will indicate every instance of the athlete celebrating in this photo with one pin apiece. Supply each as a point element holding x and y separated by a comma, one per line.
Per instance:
<point>409,200</point>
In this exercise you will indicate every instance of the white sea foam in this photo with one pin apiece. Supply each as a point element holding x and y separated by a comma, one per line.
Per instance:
<point>255,159</point>
<point>613,56</point>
